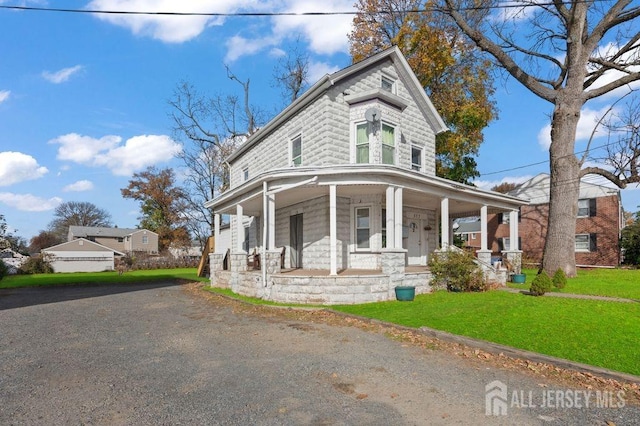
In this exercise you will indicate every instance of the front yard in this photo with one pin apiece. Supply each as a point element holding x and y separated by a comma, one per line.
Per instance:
<point>623,283</point>
<point>599,333</point>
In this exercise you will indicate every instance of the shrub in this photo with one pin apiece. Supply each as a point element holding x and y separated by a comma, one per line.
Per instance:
<point>456,271</point>
<point>36,265</point>
<point>541,284</point>
<point>4,269</point>
<point>559,279</point>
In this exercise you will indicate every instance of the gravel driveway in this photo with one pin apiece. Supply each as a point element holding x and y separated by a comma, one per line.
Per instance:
<point>166,354</point>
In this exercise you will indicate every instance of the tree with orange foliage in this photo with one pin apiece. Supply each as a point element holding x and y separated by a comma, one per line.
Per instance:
<point>456,78</point>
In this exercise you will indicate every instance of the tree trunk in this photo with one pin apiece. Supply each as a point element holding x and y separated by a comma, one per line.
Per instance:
<point>559,248</point>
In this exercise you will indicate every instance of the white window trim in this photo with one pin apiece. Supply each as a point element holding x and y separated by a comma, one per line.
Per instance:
<point>245,173</point>
<point>506,243</point>
<point>421,158</point>
<point>588,207</point>
<point>354,229</point>
<point>588,249</point>
<point>392,80</point>
<point>354,141</point>
<point>395,143</point>
<point>291,158</point>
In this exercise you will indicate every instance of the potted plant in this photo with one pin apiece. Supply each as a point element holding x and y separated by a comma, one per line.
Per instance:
<point>405,293</point>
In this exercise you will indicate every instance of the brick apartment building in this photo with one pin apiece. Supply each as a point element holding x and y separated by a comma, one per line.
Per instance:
<point>598,225</point>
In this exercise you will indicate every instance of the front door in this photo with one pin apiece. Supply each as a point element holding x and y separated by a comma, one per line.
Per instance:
<point>414,242</point>
<point>295,240</point>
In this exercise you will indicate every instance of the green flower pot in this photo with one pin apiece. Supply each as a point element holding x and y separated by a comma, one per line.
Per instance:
<point>518,278</point>
<point>405,293</point>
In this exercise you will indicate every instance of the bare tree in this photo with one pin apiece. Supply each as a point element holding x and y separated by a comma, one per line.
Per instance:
<point>210,128</point>
<point>78,213</point>
<point>567,53</point>
<point>291,73</point>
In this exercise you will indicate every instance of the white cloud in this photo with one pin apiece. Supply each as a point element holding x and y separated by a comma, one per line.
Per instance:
<point>238,46</point>
<point>515,11</point>
<point>607,51</point>
<point>79,186</point>
<point>4,95</point>
<point>588,120</point>
<point>317,70</point>
<point>167,28</point>
<point>326,34</point>
<point>18,167</point>
<point>28,202</point>
<point>61,76</point>
<point>125,159</point>
<point>488,184</point>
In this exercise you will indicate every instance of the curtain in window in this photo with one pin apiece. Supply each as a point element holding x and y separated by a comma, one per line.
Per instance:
<point>362,144</point>
<point>388,145</point>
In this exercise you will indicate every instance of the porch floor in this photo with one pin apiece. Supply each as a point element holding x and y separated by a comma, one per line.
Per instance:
<point>347,272</point>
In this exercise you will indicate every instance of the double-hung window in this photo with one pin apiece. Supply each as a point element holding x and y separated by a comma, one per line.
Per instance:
<point>387,84</point>
<point>587,207</point>
<point>362,143</point>
<point>586,242</point>
<point>363,228</point>
<point>296,151</point>
<point>388,144</point>
<point>416,158</point>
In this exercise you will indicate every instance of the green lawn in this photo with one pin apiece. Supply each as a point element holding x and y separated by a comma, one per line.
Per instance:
<point>41,280</point>
<point>600,282</point>
<point>598,333</point>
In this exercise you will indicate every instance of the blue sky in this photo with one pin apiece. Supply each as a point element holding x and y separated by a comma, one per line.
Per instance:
<point>83,97</point>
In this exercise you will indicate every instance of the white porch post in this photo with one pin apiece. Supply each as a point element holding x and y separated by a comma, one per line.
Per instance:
<point>444,222</point>
<point>391,223</point>
<point>271,214</point>
<point>483,228</point>
<point>513,230</point>
<point>398,218</point>
<point>484,254</point>
<point>333,231</point>
<point>216,230</point>
<point>239,229</point>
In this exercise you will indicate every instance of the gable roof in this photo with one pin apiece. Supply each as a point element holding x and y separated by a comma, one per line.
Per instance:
<point>101,231</point>
<point>536,189</point>
<point>87,246</point>
<point>329,80</point>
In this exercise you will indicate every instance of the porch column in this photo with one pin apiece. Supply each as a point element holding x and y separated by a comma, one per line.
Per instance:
<point>444,222</point>
<point>216,230</point>
<point>239,229</point>
<point>484,254</point>
<point>483,228</point>
<point>398,218</point>
<point>513,231</point>
<point>391,223</point>
<point>271,215</point>
<point>333,231</point>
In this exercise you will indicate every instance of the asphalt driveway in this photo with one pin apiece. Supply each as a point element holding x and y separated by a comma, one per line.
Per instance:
<point>163,354</point>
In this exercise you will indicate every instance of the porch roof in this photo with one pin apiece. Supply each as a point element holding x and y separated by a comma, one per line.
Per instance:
<point>294,185</point>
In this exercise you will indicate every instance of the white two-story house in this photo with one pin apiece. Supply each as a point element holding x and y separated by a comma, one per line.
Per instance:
<point>338,193</point>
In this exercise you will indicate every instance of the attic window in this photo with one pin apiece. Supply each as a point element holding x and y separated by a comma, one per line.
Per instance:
<point>245,174</point>
<point>387,84</point>
<point>296,151</point>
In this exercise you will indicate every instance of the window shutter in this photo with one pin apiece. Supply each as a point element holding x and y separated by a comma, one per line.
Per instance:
<point>592,207</point>
<point>519,214</point>
<point>519,243</point>
<point>593,244</point>
<point>500,245</point>
<point>500,219</point>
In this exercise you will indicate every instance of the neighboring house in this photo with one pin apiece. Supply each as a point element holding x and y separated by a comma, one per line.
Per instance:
<point>81,255</point>
<point>469,232</point>
<point>343,183</point>
<point>120,239</point>
<point>598,223</point>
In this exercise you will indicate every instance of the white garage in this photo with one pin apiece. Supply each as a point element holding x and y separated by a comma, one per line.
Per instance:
<point>81,255</point>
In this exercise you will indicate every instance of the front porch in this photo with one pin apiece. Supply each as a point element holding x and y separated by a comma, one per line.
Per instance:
<point>328,236</point>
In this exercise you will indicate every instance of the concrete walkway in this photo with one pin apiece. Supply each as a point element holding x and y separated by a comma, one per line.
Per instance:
<point>573,295</point>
